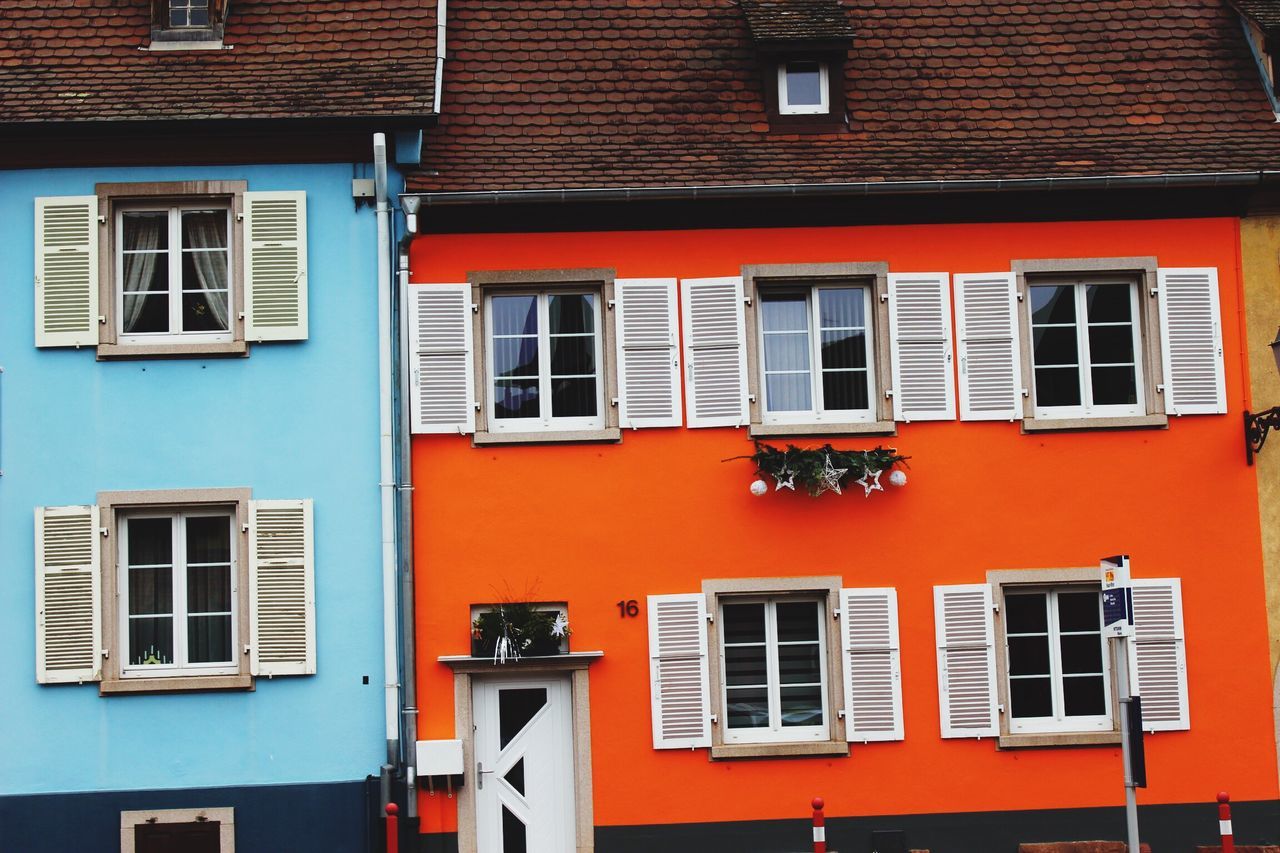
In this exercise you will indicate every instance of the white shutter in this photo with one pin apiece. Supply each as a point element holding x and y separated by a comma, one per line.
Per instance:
<point>442,393</point>
<point>920,340</point>
<point>1158,655</point>
<point>966,660</point>
<point>275,266</point>
<point>647,352</point>
<point>282,600</point>
<point>678,671</point>
<point>990,361</point>
<point>1191,346</point>
<point>872,664</point>
<point>67,271</point>
<point>68,595</point>
<point>715,353</point>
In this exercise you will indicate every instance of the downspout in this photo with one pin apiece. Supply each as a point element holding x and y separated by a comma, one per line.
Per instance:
<point>408,648</point>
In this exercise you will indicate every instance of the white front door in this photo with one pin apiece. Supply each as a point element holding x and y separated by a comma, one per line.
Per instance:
<point>524,765</point>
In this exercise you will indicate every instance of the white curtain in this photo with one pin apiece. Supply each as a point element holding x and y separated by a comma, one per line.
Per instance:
<point>139,268</point>
<point>205,231</point>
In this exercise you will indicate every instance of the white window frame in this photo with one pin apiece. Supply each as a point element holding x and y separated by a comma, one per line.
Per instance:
<point>1059,723</point>
<point>174,255</point>
<point>180,667</point>
<point>819,413</point>
<point>545,422</point>
<point>786,108</point>
<point>776,732</point>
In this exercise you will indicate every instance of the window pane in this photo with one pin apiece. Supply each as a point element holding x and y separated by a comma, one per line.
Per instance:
<point>204,312</point>
<point>801,706</point>
<point>1055,345</point>
<point>208,539</point>
<point>845,390</point>
<point>1057,386</point>
<point>804,84</point>
<point>150,541</point>
<point>1053,304</point>
<point>515,315</point>
<point>515,398</point>
<point>570,356</point>
<point>151,640</point>
<point>744,666</point>
<point>743,623</point>
<point>1031,697</point>
<point>145,231</point>
<point>209,589</point>
<point>573,398</point>
<point>799,664</point>
<point>516,708</point>
<point>1110,345</point>
<point>784,312</point>
<point>797,620</point>
<point>1083,697</point>
<point>786,352</point>
<point>1108,303</point>
<point>748,707</point>
<point>844,349</point>
<point>1025,613</point>
<point>1114,386</point>
<point>204,229</point>
<point>1028,655</point>
<point>1079,611</point>
<point>788,392</point>
<point>1081,653</point>
<point>199,17</point>
<point>515,357</point>
<point>209,639</point>
<point>150,591</point>
<point>144,314</point>
<point>572,313</point>
<point>841,307</point>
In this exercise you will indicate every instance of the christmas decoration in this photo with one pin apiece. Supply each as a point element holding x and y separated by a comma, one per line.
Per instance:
<point>872,486</point>
<point>786,480</point>
<point>898,478</point>
<point>518,629</point>
<point>759,488</point>
<point>825,468</point>
<point>830,477</point>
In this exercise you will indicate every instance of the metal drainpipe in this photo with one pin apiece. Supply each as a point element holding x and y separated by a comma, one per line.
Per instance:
<point>408,648</point>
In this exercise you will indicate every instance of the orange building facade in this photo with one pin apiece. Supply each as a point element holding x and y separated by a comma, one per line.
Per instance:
<point>1023,506</point>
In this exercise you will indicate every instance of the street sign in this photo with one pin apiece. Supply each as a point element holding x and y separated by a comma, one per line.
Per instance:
<point>1117,597</point>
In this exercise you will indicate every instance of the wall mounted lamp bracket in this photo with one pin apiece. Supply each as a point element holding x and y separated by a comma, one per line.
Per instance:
<point>1256,427</point>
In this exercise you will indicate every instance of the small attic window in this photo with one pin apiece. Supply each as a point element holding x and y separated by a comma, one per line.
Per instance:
<point>803,88</point>
<point>184,14</point>
<point>187,24</point>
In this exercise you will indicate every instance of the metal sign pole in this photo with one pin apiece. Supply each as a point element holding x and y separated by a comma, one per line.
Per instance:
<point>1117,608</point>
<point>1126,743</point>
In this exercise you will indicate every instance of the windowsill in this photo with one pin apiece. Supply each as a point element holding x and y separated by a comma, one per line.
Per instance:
<point>1044,739</point>
<point>785,430</point>
<point>780,750</point>
<point>176,684</point>
<point>1069,424</point>
<point>164,45</point>
<point>111,352</point>
<point>612,434</point>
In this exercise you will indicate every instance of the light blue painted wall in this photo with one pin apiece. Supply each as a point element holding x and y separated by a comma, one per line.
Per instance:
<point>293,420</point>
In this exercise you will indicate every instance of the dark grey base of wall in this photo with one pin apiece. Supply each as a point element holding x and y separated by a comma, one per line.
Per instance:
<point>327,817</point>
<point>1167,828</point>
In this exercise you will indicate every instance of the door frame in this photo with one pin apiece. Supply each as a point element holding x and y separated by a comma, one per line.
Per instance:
<point>574,663</point>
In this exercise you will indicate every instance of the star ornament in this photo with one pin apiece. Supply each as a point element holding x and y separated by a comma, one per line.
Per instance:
<point>873,485</point>
<point>829,480</point>
<point>786,480</point>
<point>561,626</point>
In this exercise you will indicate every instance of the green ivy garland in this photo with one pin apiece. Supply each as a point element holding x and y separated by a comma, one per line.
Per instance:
<point>817,470</point>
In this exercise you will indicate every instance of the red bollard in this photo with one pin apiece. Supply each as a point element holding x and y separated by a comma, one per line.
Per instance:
<point>393,828</point>
<point>1224,823</point>
<point>819,827</point>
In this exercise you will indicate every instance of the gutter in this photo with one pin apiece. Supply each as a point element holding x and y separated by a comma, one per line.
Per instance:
<point>860,189</point>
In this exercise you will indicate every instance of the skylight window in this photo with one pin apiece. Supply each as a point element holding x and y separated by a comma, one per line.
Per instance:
<point>803,88</point>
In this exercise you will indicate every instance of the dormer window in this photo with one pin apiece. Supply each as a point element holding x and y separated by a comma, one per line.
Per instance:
<point>187,24</point>
<point>188,13</point>
<point>803,88</point>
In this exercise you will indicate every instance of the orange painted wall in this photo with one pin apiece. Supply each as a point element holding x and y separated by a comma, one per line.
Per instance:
<point>660,512</point>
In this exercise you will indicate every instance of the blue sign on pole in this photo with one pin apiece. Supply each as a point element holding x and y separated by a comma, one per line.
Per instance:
<point>1117,605</point>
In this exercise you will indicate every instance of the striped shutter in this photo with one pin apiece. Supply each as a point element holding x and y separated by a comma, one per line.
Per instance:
<point>678,671</point>
<point>990,361</point>
<point>67,271</point>
<point>920,340</point>
<point>966,660</point>
<point>715,353</point>
<point>442,393</point>
<point>1158,655</point>
<point>872,664</point>
<point>648,352</point>
<point>68,595</point>
<point>275,266</point>
<point>282,600</point>
<point>1191,345</point>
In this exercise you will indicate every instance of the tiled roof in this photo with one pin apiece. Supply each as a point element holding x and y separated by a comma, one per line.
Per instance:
<point>551,94</point>
<point>796,20</point>
<point>81,60</point>
<point>1265,12</point>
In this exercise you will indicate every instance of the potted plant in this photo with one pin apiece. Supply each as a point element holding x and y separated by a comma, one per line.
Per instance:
<point>518,629</point>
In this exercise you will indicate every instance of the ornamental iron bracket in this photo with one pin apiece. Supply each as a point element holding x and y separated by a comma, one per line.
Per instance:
<point>1256,427</point>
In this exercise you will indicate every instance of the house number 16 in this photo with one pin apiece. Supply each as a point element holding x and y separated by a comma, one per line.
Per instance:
<point>628,609</point>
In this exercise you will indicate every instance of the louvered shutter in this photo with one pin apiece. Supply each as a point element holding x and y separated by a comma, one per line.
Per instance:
<point>872,664</point>
<point>1191,345</point>
<point>920,340</point>
<point>966,660</point>
<point>1158,655</point>
<point>678,671</point>
<point>68,595</point>
<point>647,352</point>
<point>715,354</point>
<point>275,266</point>
<point>990,360</point>
<point>67,271</point>
<point>442,393</point>
<point>282,588</point>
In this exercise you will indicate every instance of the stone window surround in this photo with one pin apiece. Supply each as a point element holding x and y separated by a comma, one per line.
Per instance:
<point>111,507</point>
<point>828,586</point>
<point>225,817</point>
<point>1023,578</point>
<point>490,281</point>
<point>110,195</point>
<point>1144,270</point>
<point>874,273</point>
